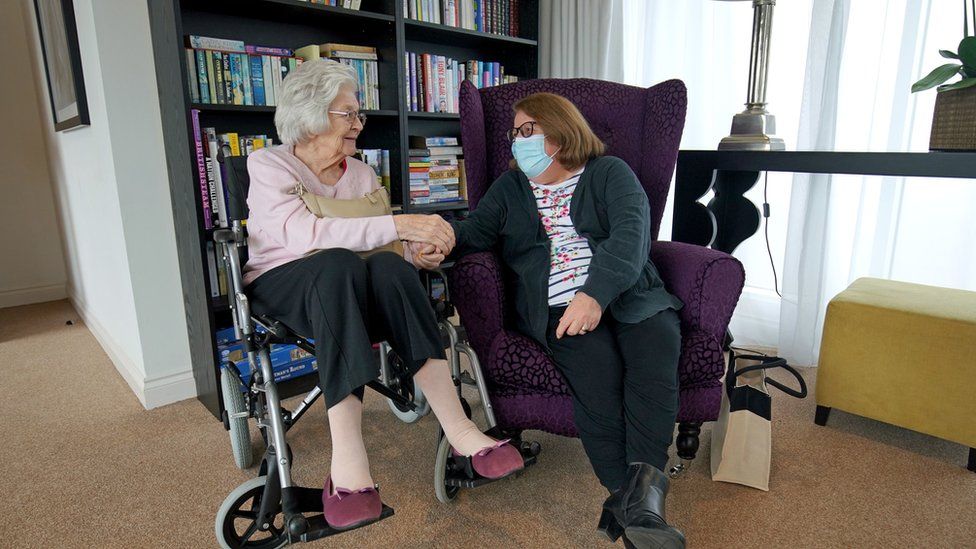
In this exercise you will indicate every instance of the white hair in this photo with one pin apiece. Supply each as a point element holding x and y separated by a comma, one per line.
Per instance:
<point>305,96</point>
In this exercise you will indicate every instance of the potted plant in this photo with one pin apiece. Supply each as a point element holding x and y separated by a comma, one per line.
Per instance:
<point>954,120</point>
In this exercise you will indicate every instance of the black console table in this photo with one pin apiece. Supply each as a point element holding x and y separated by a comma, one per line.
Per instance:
<point>730,218</point>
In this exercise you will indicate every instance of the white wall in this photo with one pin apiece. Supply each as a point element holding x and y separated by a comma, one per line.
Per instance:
<point>30,241</point>
<point>113,197</point>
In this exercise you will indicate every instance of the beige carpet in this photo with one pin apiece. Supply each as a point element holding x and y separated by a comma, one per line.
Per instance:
<point>85,466</point>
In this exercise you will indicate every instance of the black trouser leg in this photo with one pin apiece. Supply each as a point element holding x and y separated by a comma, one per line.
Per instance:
<point>594,371</point>
<point>650,351</point>
<point>324,296</point>
<point>400,310</point>
<point>625,391</point>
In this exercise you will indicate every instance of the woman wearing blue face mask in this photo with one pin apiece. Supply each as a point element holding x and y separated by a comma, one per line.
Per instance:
<point>574,228</point>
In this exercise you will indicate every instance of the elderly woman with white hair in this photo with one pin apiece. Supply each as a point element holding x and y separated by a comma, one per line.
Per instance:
<point>304,271</point>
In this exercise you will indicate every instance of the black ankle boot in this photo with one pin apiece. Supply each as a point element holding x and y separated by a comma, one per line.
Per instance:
<point>636,510</point>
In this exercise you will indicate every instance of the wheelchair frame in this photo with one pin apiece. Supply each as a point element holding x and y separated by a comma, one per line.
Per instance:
<point>273,492</point>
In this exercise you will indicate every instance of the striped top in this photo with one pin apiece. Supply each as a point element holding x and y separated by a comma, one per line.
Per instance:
<point>569,253</point>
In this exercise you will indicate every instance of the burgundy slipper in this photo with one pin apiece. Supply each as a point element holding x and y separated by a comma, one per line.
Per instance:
<point>496,461</point>
<point>347,509</point>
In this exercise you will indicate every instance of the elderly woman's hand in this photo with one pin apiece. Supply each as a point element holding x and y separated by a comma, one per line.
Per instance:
<point>425,256</point>
<point>431,229</point>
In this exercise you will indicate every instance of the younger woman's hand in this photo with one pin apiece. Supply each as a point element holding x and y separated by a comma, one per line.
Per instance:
<point>582,316</point>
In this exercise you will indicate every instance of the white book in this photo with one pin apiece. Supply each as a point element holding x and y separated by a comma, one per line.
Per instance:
<point>269,89</point>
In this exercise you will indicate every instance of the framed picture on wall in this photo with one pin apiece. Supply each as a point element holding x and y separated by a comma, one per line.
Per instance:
<point>62,62</point>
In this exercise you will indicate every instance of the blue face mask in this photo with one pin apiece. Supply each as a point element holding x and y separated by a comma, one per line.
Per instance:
<point>530,154</point>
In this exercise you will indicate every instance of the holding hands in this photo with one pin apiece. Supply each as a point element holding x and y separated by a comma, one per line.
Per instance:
<point>430,229</point>
<point>428,237</point>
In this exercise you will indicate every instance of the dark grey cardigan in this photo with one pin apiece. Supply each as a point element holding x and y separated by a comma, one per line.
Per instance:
<point>609,209</point>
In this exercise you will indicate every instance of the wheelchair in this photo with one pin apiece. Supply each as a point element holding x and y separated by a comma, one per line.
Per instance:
<point>270,511</point>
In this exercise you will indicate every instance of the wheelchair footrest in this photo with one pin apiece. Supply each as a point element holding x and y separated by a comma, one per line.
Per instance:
<point>318,528</point>
<point>461,479</point>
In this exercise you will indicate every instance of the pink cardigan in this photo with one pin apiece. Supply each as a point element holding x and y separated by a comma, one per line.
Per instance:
<point>280,227</point>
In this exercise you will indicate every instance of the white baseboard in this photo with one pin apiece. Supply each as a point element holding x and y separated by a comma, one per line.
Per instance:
<point>27,296</point>
<point>169,389</point>
<point>152,393</point>
<point>756,318</point>
<point>127,368</point>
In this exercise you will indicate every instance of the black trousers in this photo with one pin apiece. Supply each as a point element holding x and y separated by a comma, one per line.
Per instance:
<point>345,303</point>
<point>624,380</point>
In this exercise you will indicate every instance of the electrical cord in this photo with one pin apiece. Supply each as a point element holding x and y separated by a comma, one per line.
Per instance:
<point>769,250</point>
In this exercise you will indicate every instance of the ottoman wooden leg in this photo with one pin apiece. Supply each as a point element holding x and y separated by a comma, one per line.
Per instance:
<point>972,460</point>
<point>823,412</point>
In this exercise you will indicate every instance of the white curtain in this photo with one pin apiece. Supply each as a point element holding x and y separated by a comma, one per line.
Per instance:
<point>839,79</point>
<point>863,57</point>
<point>581,39</point>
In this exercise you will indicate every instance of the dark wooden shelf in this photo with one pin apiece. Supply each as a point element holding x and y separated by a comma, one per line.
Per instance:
<point>297,8</point>
<point>220,303</point>
<point>291,24</point>
<point>434,115</point>
<point>213,107</point>
<point>432,32</point>
<point>437,207</point>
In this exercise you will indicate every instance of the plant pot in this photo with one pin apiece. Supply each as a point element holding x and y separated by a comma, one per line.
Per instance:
<point>954,121</point>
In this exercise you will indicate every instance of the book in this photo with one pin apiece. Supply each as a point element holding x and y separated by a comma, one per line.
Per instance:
<point>267,50</point>
<point>219,44</point>
<point>192,75</point>
<point>201,169</point>
<point>257,80</point>
<point>203,76</point>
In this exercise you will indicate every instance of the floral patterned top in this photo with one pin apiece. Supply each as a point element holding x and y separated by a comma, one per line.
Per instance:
<point>569,253</point>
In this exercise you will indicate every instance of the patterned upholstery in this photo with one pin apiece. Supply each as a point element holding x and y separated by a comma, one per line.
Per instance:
<point>643,127</point>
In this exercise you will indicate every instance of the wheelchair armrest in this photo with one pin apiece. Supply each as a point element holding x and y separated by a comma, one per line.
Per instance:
<point>479,295</point>
<point>707,281</point>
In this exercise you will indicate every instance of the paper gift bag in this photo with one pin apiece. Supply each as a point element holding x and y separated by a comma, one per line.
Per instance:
<point>742,436</point>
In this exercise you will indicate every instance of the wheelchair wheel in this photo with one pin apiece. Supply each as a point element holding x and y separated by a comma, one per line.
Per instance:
<point>236,524</point>
<point>240,435</point>
<point>405,386</point>
<point>444,493</point>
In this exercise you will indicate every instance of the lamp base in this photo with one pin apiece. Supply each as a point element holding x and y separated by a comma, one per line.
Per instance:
<point>752,130</point>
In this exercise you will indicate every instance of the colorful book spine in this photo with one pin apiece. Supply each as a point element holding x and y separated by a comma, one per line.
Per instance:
<point>201,169</point>
<point>222,44</point>
<point>246,76</point>
<point>236,79</point>
<point>228,78</point>
<point>201,66</point>
<point>266,50</point>
<point>257,79</point>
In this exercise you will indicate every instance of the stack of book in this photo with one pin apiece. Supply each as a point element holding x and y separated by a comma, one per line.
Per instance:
<point>494,16</point>
<point>207,143</point>
<point>433,81</point>
<point>436,170</point>
<point>348,4</point>
<point>228,72</point>
<point>379,160</point>
<point>361,58</point>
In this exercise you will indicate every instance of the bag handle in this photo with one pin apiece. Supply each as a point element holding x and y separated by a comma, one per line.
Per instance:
<point>768,363</point>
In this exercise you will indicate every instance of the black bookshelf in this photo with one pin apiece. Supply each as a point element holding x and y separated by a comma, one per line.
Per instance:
<point>291,24</point>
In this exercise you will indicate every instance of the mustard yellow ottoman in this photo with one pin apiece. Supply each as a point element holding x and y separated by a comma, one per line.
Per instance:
<point>904,354</point>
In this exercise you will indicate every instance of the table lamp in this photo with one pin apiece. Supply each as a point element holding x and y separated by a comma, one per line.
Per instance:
<point>753,128</point>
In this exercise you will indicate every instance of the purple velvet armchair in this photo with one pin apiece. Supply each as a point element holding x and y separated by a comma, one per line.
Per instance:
<point>643,127</point>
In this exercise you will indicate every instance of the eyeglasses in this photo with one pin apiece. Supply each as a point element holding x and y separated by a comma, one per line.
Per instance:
<point>349,116</point>
<point>525,130</point>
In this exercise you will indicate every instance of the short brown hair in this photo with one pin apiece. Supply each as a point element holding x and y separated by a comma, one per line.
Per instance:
<point>565,126</point>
